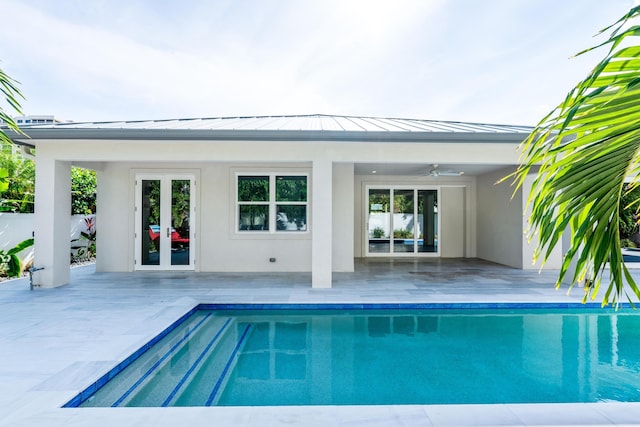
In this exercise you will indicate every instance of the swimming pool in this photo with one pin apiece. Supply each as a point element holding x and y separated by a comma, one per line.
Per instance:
<point>381,355</point>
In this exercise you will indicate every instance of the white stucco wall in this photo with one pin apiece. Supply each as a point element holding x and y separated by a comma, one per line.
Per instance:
<point>53,216</point>
<point>451,212</point>
<point>501,232</point>
<point>113,212</point>
<point>218,247</point>
<point>17,227</point>
<point>343,217</point>
<point>14,228</point>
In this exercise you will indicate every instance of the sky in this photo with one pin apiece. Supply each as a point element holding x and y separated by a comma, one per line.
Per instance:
<point>488,61</point>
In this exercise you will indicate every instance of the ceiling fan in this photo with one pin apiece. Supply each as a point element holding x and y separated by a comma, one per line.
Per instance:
<point>435,172</point>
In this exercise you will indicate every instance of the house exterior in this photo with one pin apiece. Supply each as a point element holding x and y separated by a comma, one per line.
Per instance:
<point>281,193</point>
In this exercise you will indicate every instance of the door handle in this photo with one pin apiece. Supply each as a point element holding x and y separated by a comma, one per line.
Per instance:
<point>168,232</point>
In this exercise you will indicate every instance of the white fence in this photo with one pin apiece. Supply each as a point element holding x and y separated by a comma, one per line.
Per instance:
<point>380,220</point>
<point>16,227</point>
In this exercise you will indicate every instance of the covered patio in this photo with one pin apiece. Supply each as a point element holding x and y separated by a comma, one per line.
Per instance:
<point>55,342</point>
<point>282,194</point>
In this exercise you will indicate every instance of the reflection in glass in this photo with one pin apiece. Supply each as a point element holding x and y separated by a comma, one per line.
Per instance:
<point>180,227</point>
<point>428,220</point>
<point>403,221</point>
<point>253,188</point>
<point>253,217</point>
<point>291,188</point>
<point>410,233</point>
<point>150,222</point>
<point>291,217</point>
<point>379,221</point>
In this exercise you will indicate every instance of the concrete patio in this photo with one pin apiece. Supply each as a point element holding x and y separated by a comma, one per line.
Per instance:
<point>55,342</point>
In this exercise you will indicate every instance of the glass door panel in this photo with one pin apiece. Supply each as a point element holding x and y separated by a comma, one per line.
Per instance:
<point>180,216</point>
<point>427,221</point>
<point>150,232</point>
<point>379,221</point>
<point>403,224</point>
<point>164,225</point>
<point>402,221</point>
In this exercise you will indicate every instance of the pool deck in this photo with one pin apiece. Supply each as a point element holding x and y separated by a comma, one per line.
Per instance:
<point>55,342</point>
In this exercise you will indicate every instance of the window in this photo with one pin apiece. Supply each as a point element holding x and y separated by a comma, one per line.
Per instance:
<point>253,202</point>
<point>272,203</point>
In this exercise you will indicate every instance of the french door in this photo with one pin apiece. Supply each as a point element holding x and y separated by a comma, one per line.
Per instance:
<point>165,212</point>
<point>402,221</point>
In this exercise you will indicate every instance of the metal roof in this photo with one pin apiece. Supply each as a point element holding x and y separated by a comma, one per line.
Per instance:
<point>314,122</point>
<point>292,127</point>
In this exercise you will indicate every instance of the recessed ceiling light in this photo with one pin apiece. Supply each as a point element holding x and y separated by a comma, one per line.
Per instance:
<point>374,171</point>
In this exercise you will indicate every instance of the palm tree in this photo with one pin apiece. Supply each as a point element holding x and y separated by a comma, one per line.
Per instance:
<point>19,191</point>
<point>586,154</point>
<point>12,95</point>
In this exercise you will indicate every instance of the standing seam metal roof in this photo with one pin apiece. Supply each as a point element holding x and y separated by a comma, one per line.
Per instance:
<point>312,123</point>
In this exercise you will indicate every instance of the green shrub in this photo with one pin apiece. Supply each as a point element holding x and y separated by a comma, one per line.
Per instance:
<point>402,234</point>
<point>17,183</point>
<point>83,191</point>
<point>10,264</point>
<point>626,243</point>
<point>378,233</point>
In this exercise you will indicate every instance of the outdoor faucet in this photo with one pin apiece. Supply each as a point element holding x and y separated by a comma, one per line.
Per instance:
<point>31,271</point>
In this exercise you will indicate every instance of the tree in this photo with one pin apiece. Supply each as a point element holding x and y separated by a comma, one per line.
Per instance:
<point>83,191</point>
<point>17,195</point>
<point>19,189</point>
<point>12,95</point>
<point>586,154</point>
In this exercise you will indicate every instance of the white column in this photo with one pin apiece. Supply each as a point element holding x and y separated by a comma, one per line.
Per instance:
<point>343,217</point>
<point>321,211</point>
<point>53,217</point>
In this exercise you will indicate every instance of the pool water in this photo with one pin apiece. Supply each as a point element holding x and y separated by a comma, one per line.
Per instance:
<point>383,357</point>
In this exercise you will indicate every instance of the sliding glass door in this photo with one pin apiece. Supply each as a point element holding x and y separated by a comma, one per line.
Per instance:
<point>427,210</point>
<point>402,221</point>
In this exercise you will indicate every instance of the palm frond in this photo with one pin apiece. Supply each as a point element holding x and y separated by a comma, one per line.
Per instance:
<point>12,95</point>
<point>583,153</point>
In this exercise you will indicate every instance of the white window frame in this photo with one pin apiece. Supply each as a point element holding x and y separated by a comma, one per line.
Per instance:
<point>168,176</point>
<point>391,253</point>
<point>272,204</point>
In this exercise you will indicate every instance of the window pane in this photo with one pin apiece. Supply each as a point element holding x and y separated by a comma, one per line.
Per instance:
<point>427,221</point>
<point>291,217</point>
<point>379,221</point>
<point>151,222</point>
<point>253,217</point>
<point>180,216</point>
<point>291,188</point>
<point>403,221</point>
<point>253,188</point>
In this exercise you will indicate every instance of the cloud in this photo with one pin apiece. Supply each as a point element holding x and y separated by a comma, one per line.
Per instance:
<point>159,59</point>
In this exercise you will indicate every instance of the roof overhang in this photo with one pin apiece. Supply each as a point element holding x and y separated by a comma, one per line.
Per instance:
<point>259,135</point>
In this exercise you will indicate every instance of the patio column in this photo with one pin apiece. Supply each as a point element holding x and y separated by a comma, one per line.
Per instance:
<point>321,212</point>
<point>53,219</point>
